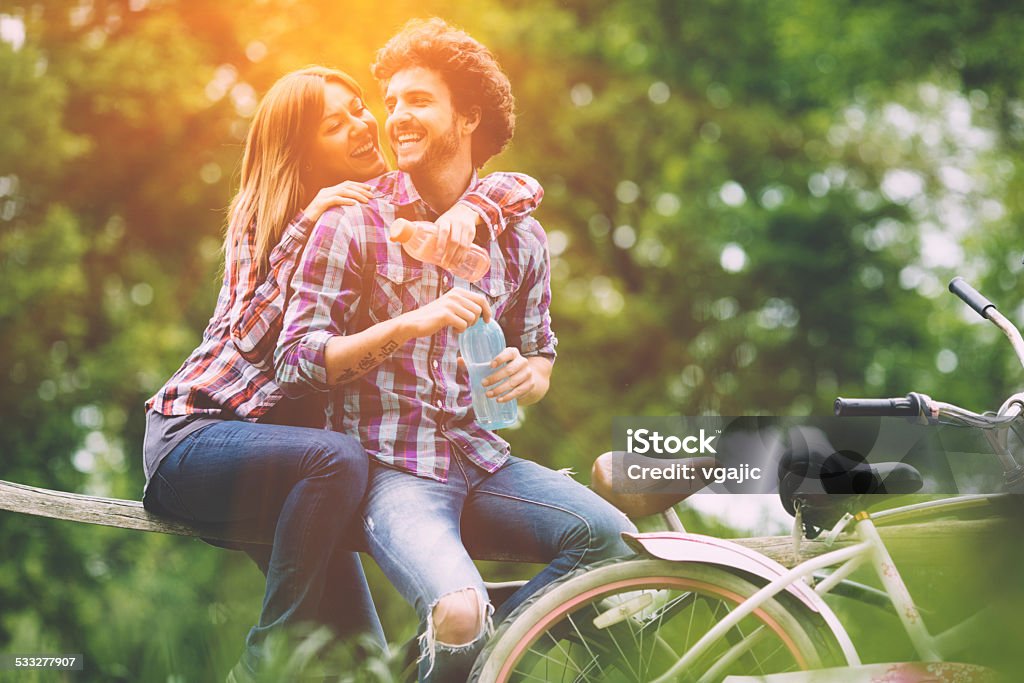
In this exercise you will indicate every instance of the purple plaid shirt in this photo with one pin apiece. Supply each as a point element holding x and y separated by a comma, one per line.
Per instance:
<point>231,372</point>
<point>413,409</point>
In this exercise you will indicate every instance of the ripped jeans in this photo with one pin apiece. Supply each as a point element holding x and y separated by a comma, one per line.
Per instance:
<point>415,528</point>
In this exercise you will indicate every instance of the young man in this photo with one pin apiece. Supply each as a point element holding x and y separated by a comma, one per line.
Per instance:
<point>379,330</point>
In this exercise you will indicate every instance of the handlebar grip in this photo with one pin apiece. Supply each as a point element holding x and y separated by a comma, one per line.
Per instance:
<point>911,406</point>
<point>970,296</point>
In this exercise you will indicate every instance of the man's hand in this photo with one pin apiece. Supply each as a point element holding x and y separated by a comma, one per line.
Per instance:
<point>457,308</point>
<point>456,229</point>
<point>525,379</point>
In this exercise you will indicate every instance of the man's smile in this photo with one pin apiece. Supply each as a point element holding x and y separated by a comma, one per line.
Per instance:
<point>407,138</point>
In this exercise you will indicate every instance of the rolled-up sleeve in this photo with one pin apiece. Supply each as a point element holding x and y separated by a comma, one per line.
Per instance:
<point>527,321</point>
<point>502,198</point>
<point>325,292</point>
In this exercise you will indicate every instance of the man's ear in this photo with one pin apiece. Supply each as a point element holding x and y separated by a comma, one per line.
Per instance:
<point>470,120</point>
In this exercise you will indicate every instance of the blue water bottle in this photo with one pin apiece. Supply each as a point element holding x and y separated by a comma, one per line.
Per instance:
<point>479,345</point>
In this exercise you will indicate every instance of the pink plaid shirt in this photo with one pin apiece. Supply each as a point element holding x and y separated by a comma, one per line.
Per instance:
<point>226,376</point>
<point>412,409</point>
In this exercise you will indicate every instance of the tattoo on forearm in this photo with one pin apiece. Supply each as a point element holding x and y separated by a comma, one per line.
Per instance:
<point>386,351</point>
<point>367,362</point>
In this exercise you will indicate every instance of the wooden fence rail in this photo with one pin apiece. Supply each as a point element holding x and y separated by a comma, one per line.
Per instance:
<point>925,540</point>
<point>124,514</point>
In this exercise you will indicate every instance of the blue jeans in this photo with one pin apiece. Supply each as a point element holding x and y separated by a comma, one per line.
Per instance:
<point>415,528</point>
<point>304,484</point>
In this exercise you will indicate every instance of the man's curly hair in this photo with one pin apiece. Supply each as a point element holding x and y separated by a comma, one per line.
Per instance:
<point>467,67</point>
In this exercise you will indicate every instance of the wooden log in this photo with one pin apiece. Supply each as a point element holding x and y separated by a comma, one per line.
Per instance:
<point>124,514</point>
<point>920,543</point>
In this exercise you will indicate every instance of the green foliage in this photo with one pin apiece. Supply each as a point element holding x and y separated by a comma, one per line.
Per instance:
<point>753,207</point>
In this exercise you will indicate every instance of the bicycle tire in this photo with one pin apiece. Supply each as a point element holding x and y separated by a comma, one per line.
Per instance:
<point>543,632</point>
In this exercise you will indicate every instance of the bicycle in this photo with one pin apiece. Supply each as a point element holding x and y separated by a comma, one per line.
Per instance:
<point>698,608</point>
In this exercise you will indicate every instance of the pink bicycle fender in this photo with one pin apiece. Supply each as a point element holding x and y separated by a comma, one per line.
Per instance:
<point>679,547</point>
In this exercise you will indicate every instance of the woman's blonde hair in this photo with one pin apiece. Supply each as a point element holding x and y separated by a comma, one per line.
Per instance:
<point>280,139</point>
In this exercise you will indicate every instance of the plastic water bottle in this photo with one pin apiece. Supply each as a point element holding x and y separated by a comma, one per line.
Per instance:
<point>419,239</point>
<point>479,345</point>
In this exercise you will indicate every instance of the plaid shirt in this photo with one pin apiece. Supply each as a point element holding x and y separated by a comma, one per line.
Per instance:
<point>226,376</point>
<point>412,409</point>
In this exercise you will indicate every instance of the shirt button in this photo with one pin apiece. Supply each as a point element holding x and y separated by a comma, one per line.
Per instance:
<point>440,403</point>
<point>436,365</point>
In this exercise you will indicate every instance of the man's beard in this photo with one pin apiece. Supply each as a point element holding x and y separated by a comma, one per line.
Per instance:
<point>438,153</point>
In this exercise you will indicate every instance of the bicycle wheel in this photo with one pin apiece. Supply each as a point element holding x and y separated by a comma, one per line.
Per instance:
<point>631,620</point>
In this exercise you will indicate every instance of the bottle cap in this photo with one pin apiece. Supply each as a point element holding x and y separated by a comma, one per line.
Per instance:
<point>401,230</point>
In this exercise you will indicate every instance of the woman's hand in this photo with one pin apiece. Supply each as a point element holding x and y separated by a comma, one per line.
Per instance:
<point>456,229</point>
<point>342,194</point>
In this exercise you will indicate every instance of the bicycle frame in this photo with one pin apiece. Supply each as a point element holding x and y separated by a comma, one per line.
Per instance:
<point>683,547</point>
<point>870,548</point>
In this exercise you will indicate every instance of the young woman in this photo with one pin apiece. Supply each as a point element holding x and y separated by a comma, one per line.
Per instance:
<point>216,450</point>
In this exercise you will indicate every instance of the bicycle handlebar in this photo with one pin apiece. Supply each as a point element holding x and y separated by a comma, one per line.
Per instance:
<point>986,309</point>
<point>911,406</point>
<point>971,296</point>
<point>919,405</point>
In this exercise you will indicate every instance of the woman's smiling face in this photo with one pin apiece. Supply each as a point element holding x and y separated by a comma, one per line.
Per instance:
<point>347,142</point>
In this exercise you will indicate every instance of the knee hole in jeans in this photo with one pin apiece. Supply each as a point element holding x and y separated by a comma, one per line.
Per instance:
<point>459,618</point>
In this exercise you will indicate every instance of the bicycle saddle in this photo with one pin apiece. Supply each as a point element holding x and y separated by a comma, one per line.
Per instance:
<point>643,498</point>
<point>825,483</point>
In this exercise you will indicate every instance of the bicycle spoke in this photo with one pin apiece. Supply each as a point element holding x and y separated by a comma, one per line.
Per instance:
<point>750,646</point>
<point>742,647</point>
<point>668,607</point>
<point>709,653</point>
<point>640,647</point>
<point>625,659</point>
<point>644,667</point>
<point>689,628</point>
<point>568,659</point>
<point>546,679</point>
<point>565,669</point>
<point>672,607</point>
<point>583,641</point>
<point>780,648</point>
<point>714,620</point>
<point>529,677</point>
<point>585,671</point>
<point>557,643</point>
<point>561,648</point>
<point>654,624</point>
